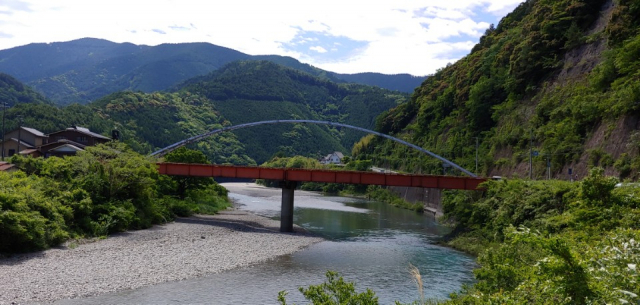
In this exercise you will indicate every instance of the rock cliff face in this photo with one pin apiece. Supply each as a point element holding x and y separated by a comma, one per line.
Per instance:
<point>558,78</point>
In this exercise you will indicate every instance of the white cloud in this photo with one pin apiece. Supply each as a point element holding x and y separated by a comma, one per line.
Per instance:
<point>318,49</point>
<point>402,36</point>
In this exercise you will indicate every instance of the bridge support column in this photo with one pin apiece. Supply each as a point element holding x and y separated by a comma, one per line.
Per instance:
<point>286,210</point>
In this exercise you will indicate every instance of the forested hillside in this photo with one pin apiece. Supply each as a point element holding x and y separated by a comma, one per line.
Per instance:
<point>396,82</point>
<point>84,70</point>
<point>13,92</point>
<point>155,120</point>
<point>561,77</point>
<point>146,121</point>
<point>241,92</point>
<point>37,111</point>
<point>253,91</point>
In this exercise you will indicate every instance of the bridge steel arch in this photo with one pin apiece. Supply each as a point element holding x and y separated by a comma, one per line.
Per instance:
<point>199,137</point>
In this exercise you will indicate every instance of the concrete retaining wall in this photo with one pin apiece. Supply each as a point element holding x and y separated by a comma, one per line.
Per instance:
<point>431,198</point>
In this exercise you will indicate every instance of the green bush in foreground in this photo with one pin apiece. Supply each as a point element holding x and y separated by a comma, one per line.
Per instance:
<point>104,189</point>
<point>530,268</point>
<point>576,243</point>
<point>334,291</point>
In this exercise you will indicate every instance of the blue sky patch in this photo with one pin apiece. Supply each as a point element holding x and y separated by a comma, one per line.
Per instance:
<point>16,5</point>
<point>324,47</point>
<point>179,28</point>
<point>487,17</point>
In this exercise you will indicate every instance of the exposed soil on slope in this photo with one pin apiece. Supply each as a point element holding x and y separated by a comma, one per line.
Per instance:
<point>612,138</point>
<point>581,60</point>
<point>609,137</point>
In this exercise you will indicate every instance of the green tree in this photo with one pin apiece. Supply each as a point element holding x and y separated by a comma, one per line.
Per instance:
<point>334,291</point>
<point>121,183</point>
<point>179,186</point>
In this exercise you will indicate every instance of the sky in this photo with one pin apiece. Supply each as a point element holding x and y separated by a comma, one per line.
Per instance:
<point>345,36</point>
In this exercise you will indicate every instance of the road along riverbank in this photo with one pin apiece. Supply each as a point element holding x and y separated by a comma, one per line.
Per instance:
<point>187,248</point>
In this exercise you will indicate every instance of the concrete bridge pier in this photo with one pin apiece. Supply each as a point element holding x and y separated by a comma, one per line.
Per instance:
<point>286,209</point>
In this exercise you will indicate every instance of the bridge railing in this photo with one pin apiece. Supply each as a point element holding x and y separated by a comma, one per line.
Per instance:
<point>318,175</point>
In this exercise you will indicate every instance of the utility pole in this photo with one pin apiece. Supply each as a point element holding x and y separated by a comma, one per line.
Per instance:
<point>4,110</point>
<point>476,155</point>
<point>19,128</point>
<point>531,155</point>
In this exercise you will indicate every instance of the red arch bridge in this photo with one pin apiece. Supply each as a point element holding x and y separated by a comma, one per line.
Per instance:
<point>289,178</point>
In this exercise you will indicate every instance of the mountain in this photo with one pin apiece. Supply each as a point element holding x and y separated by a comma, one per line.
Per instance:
<point>560,78</point>
<point>86,69</point>
<point>239,92</point>
<point>251,91</point>
<point>397,82</point>
<point>12,92</point>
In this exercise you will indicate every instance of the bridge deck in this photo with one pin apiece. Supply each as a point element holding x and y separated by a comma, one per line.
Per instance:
<point>316,175</point>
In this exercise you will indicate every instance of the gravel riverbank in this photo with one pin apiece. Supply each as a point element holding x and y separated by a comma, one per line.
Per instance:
<point>187,248</point>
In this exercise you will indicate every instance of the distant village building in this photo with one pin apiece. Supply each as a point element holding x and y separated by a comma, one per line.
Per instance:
<point>6,166</point>
<point>60,143</point>
<point>80,135</point>
<point>62,147</point>
<point>29,139</point>
<point>332,158</point>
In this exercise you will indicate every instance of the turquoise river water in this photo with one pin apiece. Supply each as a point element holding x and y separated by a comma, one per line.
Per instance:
<point>370,243</point>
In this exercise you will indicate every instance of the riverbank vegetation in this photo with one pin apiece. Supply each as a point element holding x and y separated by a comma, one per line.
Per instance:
<point>102,190</point>
<point>549,242</point>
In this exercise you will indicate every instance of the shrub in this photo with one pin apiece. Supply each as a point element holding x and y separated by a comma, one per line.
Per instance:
<point>105,189</point>
<point>29,218</point>
<point>334,291</point>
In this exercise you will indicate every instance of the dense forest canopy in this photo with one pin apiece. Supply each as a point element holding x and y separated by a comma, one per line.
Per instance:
<point>14,92</point>
<point>251,91</point>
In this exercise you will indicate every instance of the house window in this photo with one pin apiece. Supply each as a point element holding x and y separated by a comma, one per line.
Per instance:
<point>12,152</point>
<point>81,139</point>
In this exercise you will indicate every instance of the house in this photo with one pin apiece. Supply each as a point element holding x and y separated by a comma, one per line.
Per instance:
<point>79,135</point>
<point>60,143</point>
<point>60,148</point>
<point>6,166</point>
<point>332,158</point>
<point>29,138</point>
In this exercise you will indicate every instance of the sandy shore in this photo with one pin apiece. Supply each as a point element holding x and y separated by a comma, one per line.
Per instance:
<point>187,248</point>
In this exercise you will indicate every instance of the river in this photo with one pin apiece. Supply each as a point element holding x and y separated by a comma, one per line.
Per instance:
<point>370,243</point>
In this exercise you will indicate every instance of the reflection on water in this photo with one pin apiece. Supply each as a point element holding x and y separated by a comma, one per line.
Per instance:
<point>367,242</point>
<point>270,206</point>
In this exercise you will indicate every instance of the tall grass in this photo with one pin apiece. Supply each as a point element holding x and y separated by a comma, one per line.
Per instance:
<point>417,278</point>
